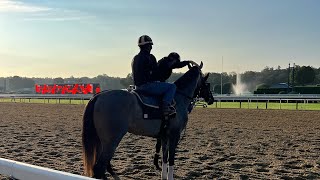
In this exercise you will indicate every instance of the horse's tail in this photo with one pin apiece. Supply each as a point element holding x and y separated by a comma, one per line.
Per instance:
<point>90,139</point>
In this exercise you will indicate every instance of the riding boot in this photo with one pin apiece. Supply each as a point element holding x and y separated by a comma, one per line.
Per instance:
<point>168,111</point>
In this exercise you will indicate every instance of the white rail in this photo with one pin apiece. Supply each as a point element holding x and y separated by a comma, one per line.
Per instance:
<point>23,171</point>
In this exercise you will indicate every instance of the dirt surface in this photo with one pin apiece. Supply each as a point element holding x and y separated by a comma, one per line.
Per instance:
<point>218,144</point>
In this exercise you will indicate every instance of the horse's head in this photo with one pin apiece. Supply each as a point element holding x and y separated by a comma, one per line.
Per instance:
<point>203,87</point>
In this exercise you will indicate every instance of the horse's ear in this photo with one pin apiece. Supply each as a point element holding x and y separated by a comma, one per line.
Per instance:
<point>206,77</point>
<point>201,65</point>
<point>189,66</point>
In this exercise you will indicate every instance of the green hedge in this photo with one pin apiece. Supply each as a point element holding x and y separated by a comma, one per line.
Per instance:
<point>270,90</point>
<point>296,90</point>
<point>307,89</point>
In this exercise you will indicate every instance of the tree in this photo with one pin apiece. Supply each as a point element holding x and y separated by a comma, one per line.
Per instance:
<point>317,79</point>
<point>217,89</point>
<point>108,83</point>
<point>250,79</point>
<point>58,80</point>
<point>127,80</point>
<point>85,80</point>
<point>227,88</point>
<point>317,76</point>
<point>305,75</point>
<point>16,83</point>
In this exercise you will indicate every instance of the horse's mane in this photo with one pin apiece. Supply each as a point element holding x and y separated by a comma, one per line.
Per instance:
<point>187,77</point>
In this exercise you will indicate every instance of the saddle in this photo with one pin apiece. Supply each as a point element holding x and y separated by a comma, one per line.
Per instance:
<point>151,105</point>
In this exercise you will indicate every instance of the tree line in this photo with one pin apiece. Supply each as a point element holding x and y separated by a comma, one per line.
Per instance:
<point>299,76</point>
<point>19,84</point>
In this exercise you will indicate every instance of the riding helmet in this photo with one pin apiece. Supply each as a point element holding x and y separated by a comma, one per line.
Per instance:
<point>145,39</point>
<point>174,55</point>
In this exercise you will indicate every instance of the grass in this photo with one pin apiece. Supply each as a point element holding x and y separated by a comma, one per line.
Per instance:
<point>45,101</point>
<point>264,105</point>
<point>226,105</point>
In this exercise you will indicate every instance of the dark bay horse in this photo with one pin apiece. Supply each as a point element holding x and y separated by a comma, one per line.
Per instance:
<point>110,115</point>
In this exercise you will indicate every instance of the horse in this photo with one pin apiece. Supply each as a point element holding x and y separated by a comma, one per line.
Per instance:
<point>109,115</point>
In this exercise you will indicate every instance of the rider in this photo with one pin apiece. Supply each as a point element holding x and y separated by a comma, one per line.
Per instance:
<point>167,64</point>
<point>145,76</point>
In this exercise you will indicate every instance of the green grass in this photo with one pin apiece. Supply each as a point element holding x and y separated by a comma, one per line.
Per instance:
<point>45,101</point>
<point>226,105</point>
<point>264,105</point>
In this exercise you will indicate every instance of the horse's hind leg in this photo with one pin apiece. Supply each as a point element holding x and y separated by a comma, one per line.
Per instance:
<point>104,160</point>
<point>100,167</point>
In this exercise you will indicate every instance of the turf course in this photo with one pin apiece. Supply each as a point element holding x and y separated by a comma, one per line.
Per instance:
<point>226,105</point>
<point>265,105</point>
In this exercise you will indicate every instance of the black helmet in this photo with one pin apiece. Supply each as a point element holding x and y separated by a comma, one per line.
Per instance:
<point>174,55</point>
<point>143,40</point>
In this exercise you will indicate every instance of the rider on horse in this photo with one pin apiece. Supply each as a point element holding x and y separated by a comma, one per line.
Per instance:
<point>148,77</point>
<point>167,64</point>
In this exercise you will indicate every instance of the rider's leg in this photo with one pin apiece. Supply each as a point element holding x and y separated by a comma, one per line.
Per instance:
<point>167,100</point>
<point>167,90</point>
<point>169,93</point>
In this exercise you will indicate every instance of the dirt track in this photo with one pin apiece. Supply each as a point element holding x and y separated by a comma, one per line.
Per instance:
<point>219,143</point>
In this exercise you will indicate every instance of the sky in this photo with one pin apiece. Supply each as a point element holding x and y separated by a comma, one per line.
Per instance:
<point>58,38</point>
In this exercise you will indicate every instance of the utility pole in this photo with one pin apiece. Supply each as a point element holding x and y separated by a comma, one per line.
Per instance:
<point>288,79</point>
<point>293,75</point>
<point>221,73</point>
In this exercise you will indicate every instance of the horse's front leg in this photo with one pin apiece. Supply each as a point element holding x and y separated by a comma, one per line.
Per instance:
<point>173,143</point>
<point>164,172</point>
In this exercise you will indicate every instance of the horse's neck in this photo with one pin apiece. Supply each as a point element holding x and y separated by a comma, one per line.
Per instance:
<point>187,84</point>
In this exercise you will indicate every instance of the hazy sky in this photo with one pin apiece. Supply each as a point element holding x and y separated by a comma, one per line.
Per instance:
<point>61,38</point>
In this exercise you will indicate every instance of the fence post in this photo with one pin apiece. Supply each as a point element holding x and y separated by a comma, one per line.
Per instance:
<point>240,104</point>
<point>296,105</point>
<point>280,103</point>
<point>266,104</point>
<point>304,102</point>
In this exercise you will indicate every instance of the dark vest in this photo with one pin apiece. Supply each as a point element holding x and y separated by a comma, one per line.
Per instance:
<point>144,68</point>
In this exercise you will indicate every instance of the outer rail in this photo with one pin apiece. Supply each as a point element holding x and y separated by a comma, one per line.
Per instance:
<point>23,171</point>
